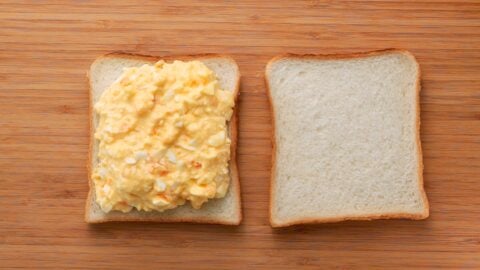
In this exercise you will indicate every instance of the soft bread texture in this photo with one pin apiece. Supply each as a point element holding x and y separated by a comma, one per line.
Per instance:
<point>346,138</point>
<point>103,72</point>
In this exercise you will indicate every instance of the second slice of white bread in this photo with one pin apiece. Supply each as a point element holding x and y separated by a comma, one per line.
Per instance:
<point>346,142</point>
<point>103,72</point>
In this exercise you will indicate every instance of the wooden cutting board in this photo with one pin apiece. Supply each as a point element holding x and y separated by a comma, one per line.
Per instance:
<point>46,48</point>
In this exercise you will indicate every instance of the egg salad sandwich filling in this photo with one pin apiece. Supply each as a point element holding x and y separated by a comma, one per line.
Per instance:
<point>162,140</point>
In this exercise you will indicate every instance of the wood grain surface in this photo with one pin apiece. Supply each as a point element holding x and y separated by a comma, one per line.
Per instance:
<point>47,46</point>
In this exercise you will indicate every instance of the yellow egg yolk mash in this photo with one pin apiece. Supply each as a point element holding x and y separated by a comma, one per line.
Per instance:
<point>163,138</point>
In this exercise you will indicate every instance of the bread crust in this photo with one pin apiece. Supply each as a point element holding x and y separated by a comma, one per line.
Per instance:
<point>234,177</point>
<point>314,220</point>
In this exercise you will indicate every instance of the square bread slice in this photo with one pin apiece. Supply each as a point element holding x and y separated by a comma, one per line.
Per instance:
<point>103,72</point>
<point>346,138</point>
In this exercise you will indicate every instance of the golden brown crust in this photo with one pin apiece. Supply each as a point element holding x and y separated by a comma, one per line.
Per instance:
<point>338,56</point>
<point>233,148</point>
<point>273,141</point>
<point>348,218</point>
<point>423,215</point>
<point>426,209</point>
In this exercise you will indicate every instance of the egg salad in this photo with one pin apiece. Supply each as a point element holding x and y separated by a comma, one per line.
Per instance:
<point>162,138</point>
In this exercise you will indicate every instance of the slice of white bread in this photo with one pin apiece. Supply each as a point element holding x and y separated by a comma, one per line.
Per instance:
<point>346,138</point>
<point>103,72</point>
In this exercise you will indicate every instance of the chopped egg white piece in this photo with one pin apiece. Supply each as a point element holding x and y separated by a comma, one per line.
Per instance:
<point>141,155</point>
<point>171,156</point>
<point>159,201</point>
<point>102,172</point>
<point>106,189</point>
<point>217,139</point>
<point>179,124</point>
<point>197,190</point>
<point>130,160</point>
<point>160,186</point>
